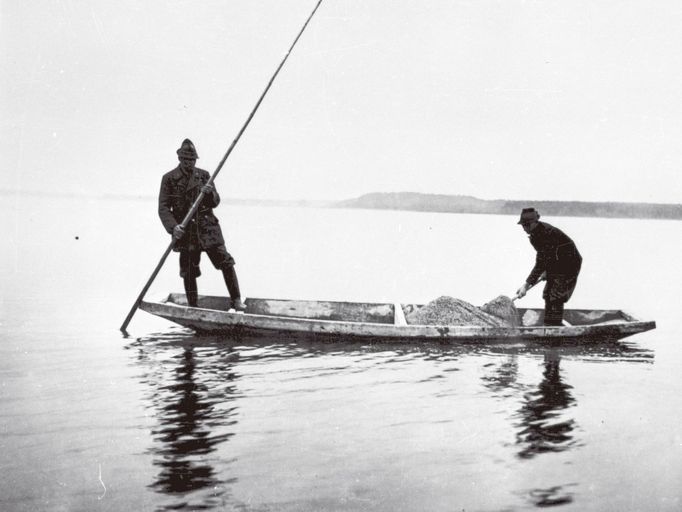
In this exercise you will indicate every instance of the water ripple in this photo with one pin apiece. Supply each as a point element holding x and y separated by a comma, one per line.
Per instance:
<point>199,388</point>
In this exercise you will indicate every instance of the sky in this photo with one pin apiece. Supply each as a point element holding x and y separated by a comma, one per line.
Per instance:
<point>509,99</point>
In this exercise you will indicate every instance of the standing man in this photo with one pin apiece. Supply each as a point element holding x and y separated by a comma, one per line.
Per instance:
<point>557,259</point>
<point>179,190</point>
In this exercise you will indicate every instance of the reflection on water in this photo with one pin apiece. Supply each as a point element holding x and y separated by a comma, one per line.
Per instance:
<point>542,423</point>
<point>193,396</point>
<point>552,496</point>
<point>193,391</point>
<point>503,380</point>
<point>541,427</point>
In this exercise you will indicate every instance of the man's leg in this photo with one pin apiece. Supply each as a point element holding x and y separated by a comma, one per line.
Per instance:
<point>554,312</point>
<point>555,296</point>
<point>191,290</point>
<point>558,291</point>
<point>223,261</point>
<point>189,270</point>
<point>230,276</point>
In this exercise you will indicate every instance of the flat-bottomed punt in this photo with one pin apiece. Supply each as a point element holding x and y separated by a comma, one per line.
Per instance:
<point>380,321</point>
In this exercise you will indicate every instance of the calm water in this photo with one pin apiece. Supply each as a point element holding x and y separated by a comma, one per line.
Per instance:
<point>164,420</point>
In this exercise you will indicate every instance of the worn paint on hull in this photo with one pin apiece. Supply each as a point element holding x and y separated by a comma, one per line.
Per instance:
<point>379,322</point>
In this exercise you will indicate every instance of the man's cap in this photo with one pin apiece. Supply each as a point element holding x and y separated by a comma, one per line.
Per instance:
<point>528,215</point>
<point>187,150</point>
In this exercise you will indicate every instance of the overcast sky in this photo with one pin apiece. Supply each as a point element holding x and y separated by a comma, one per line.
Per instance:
<point>511,99</point>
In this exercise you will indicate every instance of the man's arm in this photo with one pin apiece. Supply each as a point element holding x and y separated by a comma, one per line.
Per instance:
<point>538,269</point>
<point>537,274</point>
<point>211,197</point>
<point>165,213</point>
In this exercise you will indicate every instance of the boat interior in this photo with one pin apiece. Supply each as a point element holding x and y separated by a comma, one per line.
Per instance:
<point>381,313</point>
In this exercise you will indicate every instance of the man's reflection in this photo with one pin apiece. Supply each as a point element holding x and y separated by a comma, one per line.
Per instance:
<point>543,423</point>
<point>541,427</point>
<point>195,414</point>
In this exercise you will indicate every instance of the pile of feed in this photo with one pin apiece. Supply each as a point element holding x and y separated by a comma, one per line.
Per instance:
<point>500,312</point>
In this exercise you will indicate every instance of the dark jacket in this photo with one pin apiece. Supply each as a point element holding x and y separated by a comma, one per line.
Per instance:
<point>556,253</point>
<point>176,197</point>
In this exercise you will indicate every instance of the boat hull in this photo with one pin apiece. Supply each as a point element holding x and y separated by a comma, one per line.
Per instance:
<point>379,322</point>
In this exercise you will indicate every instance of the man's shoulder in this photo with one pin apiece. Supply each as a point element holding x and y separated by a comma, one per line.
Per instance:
<point>554,233</point>
<point>172,174</point>
<point>174,170</point>
<point>546,227</point>
<point>541,232</point>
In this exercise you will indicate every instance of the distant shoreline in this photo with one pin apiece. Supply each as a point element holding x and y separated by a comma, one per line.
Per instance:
<point>467,204</point>
<point>438,203</point>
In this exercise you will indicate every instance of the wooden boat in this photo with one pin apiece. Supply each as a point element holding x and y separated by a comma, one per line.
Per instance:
<point>380,321</point>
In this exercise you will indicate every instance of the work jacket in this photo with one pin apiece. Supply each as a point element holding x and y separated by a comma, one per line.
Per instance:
<point>556,255</point>
<point>178,192</point>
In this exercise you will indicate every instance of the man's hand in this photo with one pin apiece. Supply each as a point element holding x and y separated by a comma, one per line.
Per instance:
<point>208,189</point>
<point>178,232</point>
<point>521,292</point>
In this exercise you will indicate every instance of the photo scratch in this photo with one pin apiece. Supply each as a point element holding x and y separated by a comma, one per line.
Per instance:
<point>102,482</point>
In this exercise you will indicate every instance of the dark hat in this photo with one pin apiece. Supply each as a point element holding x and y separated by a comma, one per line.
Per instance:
<point>528,215</point>
<point>187,150</point>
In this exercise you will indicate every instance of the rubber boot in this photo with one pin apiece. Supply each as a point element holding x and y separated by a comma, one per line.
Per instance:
<point>230,276</point>
<point>191,291</point>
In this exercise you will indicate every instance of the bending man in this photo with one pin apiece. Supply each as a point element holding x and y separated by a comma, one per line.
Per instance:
<point>179,190</point>
<point>557,258</point>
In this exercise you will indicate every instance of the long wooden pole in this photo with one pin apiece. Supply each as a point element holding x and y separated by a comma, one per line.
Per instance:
<point>195,206</point>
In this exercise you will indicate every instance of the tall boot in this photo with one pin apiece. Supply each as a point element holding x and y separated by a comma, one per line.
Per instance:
<point>554,312</point>
<point>230,276</point>
<point>191,290</point>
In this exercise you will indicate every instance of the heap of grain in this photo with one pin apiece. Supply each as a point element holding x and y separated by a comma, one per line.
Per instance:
<point>500,312</point>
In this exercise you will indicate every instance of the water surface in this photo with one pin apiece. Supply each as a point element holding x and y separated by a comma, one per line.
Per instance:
<point>166,420</point>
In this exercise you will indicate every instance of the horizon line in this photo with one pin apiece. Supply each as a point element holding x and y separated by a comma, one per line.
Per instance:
<point>121,195</point>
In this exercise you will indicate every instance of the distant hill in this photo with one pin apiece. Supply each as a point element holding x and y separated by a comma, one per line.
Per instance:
<point>414,201</point>
<point>466,204</point>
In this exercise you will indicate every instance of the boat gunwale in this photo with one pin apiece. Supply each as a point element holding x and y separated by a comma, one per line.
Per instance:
<point>226,321</point>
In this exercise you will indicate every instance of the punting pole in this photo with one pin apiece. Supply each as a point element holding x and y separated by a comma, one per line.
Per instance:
<point>195,206</point>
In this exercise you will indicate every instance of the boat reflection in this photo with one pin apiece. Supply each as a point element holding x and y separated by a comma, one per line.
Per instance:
<point>193,392</point>
<point>193,397</point>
